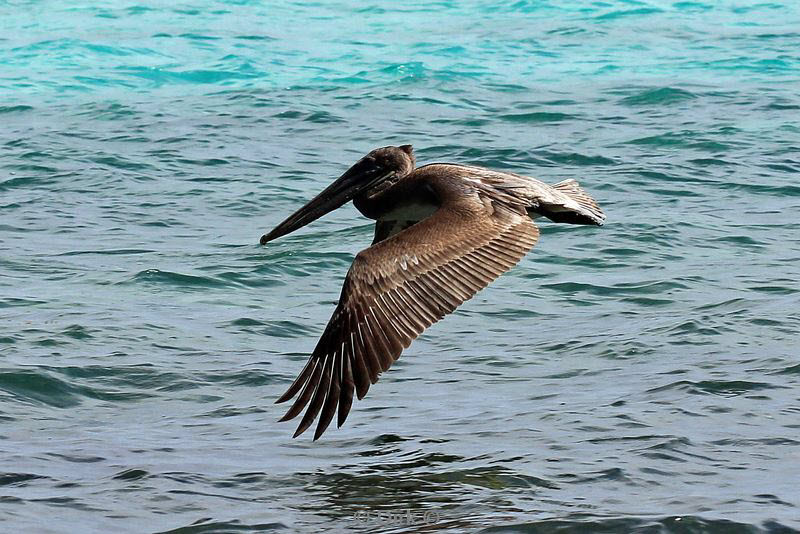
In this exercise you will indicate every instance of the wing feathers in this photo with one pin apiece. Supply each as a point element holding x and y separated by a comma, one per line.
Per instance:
<point>299,382</point>
<point>304,397</point>
<point>321,389</point>
<point>397,288</point>
<point>346,394</point>
<point>363,370</point>
<point>332,399</point>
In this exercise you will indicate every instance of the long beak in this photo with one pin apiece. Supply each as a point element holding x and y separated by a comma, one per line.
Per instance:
<point>343,190</point>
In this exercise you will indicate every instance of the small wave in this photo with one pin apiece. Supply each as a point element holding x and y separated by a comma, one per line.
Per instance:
<point>108,252</point>
<point>613,15</point>
<point>15,109</point>
<point>231,411</point>
<point>577,523</point>
<point>10,302</point>
<point>206,162</point>
<point>537,117</point>
<point>623,288</point>
<point>38,386</point>
<point>199,37</point>
<point>161,76</point>
<point>790,370</point>
<point>207,526</point>
<point>725,388</point>
<point>660,96</point>
<point>256,38</point>
<point>169,278</point>
<point>321,117</point>
<point>689,140</point>
<point>18,479</point>
<point>573,158</point>
<point>131,474</point>
<point>282,329</point>
<point>741,442</point>
<point>250,378</point>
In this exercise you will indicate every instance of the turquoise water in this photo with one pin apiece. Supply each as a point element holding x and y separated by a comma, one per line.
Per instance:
<point>640,377</point>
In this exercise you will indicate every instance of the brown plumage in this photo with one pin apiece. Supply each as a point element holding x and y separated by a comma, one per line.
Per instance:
<point>443,232</point>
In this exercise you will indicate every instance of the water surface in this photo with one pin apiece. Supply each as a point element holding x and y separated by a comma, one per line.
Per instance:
<point>640,377</point>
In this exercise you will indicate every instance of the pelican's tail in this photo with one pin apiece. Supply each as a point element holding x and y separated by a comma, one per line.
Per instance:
<point>583,209</point>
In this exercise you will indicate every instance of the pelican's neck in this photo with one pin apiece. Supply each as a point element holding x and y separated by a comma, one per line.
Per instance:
<point>407,190</point>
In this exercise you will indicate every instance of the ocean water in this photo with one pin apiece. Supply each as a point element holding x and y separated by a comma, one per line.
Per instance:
<point>639,377</point>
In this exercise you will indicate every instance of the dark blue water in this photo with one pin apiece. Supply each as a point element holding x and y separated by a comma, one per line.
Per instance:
<point>640,377</point>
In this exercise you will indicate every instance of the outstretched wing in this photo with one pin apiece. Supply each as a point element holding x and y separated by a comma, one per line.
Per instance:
<point>397,288</point>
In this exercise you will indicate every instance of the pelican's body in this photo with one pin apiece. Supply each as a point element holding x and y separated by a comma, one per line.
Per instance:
<point>442,233</point>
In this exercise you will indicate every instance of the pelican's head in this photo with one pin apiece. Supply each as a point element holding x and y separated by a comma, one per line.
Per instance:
<point>373,171</point>
<point>399,159</point>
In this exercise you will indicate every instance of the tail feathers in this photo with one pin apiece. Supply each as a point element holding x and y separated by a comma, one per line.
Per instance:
<point>586,212</point>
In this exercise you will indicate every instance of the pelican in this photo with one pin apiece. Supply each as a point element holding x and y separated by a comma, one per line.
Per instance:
<point>443,231</point>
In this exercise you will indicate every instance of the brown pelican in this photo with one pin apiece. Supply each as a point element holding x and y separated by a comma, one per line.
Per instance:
<point>443,232</point>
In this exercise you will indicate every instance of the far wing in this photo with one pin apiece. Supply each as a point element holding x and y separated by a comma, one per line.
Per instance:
<point>397,288</point>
